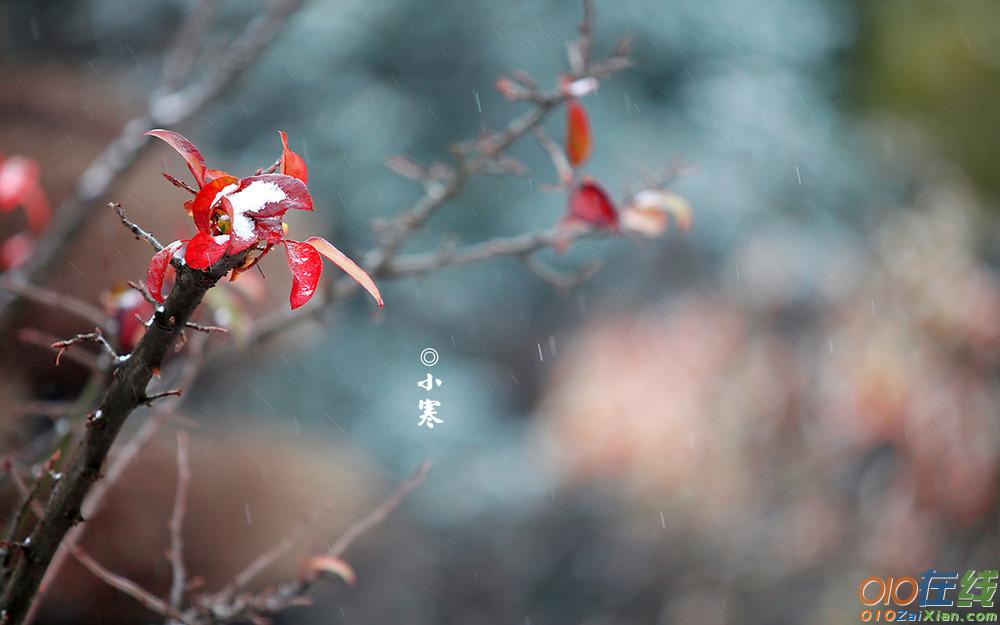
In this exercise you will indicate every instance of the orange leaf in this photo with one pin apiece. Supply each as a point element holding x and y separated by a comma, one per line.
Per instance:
<point>352,269</point>
<point>184,147</point>
<point>291,163</point>
<point>325,563</point>
<point>578,140</point>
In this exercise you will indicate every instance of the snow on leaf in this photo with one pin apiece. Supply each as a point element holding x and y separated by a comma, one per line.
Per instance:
<point>187,150</point>
<point>306,266</point>
<point>158,268</point>
<point>578,139</point>
<point>352,269</point>
<point>291,163</point>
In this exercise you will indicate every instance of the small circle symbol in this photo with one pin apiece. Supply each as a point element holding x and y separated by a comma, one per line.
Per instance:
<point>429,356</point>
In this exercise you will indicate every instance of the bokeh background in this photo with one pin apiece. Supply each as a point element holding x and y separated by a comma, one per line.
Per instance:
<point>736,424</point>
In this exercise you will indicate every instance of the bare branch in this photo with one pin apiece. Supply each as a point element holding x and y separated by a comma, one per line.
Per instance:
<point>200,327</point>
<point>556,154</point>
<point>269,557</point>
<point>223,608</point>
<point>124,458</point>
<point>59,301</point>
<point>178,573</point>
<point>96,337</point>
<point>136,230</point>
<point>417,264</point>
<point>127,586</point>
<point>31,336</point>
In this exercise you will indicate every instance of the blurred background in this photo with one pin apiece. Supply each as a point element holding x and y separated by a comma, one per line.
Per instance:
<point>736,424</point>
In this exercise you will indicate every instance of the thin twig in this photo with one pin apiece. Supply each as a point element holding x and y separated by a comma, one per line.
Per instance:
<point>417,264</point>
<point>269,557</point>
<point>95,337</point>
<point>135,229</point>
<point>556,154</point>
<point>127,586</point>
<point>31,336</point>
<point>220,608</point>
<point>178,573</point>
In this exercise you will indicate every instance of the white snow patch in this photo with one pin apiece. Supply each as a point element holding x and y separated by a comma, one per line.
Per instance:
<point>252,197</point>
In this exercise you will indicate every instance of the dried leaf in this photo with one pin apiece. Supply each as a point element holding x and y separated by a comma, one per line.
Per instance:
<point>352,269</point>
<point>649,212</point>
<point>330,565</point>
<point>187,150</point>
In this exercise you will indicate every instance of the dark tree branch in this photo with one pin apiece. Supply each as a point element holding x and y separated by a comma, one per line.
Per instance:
<point>122,459</point>
<point>126,392</point>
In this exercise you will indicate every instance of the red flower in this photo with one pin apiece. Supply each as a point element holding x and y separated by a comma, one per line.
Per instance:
<point>233,215</point>
<point>578,138</point>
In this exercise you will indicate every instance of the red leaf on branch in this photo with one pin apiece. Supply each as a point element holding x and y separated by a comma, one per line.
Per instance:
<point>206,200</point>
<point>204,249</point>
<point>578,138</point>
<point>291,163</point>
<point>588,203</point>
<point>307,267</point>
<point>351,268</point>
<point>158,268</point>
<point>187,150</point>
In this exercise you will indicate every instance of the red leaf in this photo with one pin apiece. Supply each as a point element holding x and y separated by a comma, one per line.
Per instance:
<point>291,163</point>
<point>270,195</point>
<point>306,266</point>
<point>158,268</point>
<point>590,204</point>
<point>352,269</point>
<point>16,250</point>
<point>206,201</point>
<point>578,140</point>
<point>203,250</point>
<point>36,208</point>
<point>186,149</point>
<point>18,176</point>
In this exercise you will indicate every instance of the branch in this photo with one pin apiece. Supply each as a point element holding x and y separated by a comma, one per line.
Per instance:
<point>95,336</point>
<point>126,391</point>
<point>179,575</point>
<point>58,301</point>
<point>134,229</point>
<point>520,245</point>
<point>221,608</point>
<point>127,586</point>
<point>124,458</point>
